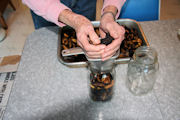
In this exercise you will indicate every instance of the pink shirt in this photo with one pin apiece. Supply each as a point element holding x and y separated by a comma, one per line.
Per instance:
<point>50,9</point>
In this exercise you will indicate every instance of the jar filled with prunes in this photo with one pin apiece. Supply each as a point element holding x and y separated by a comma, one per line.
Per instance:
<point>101,79</point>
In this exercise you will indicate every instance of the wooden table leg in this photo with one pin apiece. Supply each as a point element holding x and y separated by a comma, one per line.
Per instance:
<point>12,5</point>
<point>3,22</point>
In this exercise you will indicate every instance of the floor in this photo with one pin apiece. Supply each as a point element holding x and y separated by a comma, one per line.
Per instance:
<point>20,24</point>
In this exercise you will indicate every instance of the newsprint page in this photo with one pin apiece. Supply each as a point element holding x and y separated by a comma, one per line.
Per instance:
<point>6,83</point>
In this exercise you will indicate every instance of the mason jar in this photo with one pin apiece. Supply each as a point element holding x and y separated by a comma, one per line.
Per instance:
<point>142,71</point>
<point>101,80</point>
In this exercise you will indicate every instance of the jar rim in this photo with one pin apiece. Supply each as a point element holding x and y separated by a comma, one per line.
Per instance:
<point>145,55</point>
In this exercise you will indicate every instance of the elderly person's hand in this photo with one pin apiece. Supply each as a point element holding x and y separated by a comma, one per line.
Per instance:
<point>85,33</point>
<point>109,25</point>
<point>88,39</point>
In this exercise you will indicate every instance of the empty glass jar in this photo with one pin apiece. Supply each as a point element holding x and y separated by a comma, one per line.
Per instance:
<point>142,71</point>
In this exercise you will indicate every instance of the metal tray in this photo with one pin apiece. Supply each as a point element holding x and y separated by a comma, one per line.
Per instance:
<point>126,22</point>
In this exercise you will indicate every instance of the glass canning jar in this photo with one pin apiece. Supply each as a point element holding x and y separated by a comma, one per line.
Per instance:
<point>101,80</point>
<point>142,71</point>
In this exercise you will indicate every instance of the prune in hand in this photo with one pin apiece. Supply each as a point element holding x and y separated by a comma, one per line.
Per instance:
<point>107,40</point>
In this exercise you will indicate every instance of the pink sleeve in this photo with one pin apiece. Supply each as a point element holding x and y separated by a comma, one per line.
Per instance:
<point>117,3</point>
<point>48,9</point>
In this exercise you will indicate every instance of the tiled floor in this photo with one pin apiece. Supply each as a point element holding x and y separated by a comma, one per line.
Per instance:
<point>20,25</point>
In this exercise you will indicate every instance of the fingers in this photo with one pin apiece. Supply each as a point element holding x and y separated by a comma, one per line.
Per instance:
<point>85,33</point>
<point>95,53</point>
<point>96,50</point>
<point>102,33</point>
<point>93,37</point>
<point>109,54</point>
<point>84,43</point>
<point>117,32</point>
<point>108,57</point>
<point>79,43</point>
<point>92,48</point>
<point>115,43</point>
<point>113,32</point>
<point>111,49</point>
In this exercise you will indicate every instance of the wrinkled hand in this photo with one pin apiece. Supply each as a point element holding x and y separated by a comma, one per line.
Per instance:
<point>108,25</point>
<point>85,33</point>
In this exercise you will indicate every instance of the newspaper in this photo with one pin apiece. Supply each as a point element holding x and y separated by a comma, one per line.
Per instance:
<point>6,83</point>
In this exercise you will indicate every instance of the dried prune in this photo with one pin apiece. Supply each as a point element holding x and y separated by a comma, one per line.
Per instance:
<point>101,86</point>
<point>130,43</point>
<point>107,40</point>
